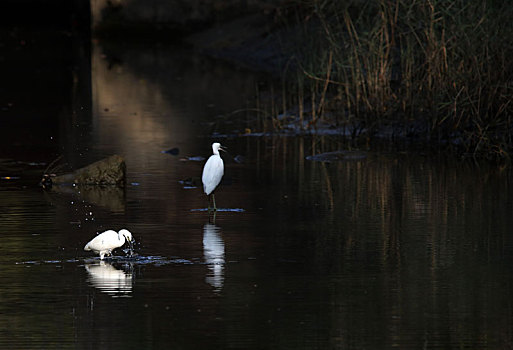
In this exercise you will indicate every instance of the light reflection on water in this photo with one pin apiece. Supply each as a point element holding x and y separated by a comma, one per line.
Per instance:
<point>389,250</point>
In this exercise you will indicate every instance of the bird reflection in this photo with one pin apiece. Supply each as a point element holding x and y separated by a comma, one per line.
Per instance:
<point>213,251</point>
<point>109,279</point>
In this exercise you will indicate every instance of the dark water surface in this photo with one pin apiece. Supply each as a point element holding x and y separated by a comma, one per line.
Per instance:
<point>384,250</point>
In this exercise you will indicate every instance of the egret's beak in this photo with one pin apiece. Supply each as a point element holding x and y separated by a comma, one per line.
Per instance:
<point>223,148</point>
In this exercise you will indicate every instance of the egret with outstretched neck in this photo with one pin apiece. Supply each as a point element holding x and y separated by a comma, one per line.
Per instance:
<point>213,171</point>
<point>107,241</point>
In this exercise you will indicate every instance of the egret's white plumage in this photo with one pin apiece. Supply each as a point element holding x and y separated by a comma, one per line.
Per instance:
<point>107,241</point>
<point>213,171</point>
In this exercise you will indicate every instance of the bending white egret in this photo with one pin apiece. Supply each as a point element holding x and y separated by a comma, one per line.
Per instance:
<point>107,241</point>
<point>213,172</point>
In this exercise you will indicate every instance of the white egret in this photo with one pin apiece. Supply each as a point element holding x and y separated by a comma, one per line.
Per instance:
<point>107,241</point>
<point>213,172</point>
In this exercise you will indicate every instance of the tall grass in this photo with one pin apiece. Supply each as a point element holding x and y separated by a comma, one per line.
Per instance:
<point>438,70</point>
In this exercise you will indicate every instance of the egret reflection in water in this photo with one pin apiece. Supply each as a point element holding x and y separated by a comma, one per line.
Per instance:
<point>109,279</point>
<point>213,251</point>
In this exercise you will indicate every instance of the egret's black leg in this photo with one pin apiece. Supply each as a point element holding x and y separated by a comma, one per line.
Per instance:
<point>214,199</point>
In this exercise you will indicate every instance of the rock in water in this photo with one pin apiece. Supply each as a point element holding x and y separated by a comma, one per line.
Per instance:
<point>108,171</point>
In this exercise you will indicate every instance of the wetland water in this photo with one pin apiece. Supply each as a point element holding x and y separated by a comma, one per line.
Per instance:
<point>389,250</point>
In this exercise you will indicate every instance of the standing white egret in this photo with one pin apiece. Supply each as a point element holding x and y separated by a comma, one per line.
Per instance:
<point>213,172</point>
<point>107,241</point>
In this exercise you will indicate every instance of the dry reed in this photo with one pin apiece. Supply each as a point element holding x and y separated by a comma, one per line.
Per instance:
<point>440,69</point>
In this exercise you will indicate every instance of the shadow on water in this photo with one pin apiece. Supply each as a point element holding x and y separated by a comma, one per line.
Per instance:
<point>320,246</point>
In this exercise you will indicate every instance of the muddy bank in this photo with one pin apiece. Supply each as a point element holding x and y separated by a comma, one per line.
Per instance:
<point>255,41</point>
<point>248,33</point>
<point>170,20</point>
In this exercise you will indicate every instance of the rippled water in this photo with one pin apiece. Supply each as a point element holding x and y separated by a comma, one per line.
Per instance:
<point>378,250</point>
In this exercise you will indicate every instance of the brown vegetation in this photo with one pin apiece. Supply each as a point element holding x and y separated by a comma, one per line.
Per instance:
<point>433,70</point>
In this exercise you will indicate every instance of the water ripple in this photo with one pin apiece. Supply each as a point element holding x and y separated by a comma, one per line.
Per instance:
<point>134,260</point>
<point>232,210</point>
